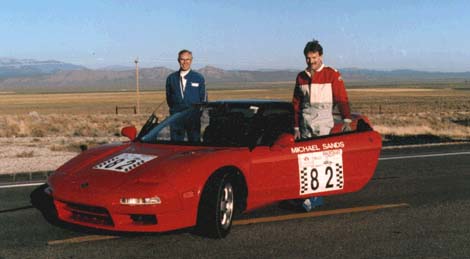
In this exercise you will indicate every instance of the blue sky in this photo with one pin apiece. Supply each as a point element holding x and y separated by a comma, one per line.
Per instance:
<point>384,35</point>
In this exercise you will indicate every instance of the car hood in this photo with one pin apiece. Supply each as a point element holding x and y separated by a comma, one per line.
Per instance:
<point>115,167</point>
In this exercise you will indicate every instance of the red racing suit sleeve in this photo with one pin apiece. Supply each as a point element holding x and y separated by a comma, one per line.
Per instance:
<point>296,100</point>
<point>340,96</point>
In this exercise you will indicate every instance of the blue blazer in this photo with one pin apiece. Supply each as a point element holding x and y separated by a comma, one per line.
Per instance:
<point>194,92</point>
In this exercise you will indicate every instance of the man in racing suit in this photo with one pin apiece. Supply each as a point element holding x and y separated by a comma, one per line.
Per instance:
<point>317,90</point>
<point>184,88</point>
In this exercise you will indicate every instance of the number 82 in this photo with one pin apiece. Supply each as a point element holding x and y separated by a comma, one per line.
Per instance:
<point>314,175</point>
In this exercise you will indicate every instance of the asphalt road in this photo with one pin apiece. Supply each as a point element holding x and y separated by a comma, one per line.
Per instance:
<point>431,220</point>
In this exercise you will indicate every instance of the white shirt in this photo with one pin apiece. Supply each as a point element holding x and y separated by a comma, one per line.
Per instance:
<point>183,80</point>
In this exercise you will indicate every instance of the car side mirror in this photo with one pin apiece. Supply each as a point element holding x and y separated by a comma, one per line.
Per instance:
<point>283,141</point>
<point>130,132</point>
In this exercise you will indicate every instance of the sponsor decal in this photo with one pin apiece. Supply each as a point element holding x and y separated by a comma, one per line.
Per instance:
<point>321,171</point>
<point>310,148</point>
<point>124,162</point>
<point>324,146</point>
<point>333,145</point>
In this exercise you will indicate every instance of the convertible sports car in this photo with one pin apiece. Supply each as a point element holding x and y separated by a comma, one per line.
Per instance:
<point>242,156</point>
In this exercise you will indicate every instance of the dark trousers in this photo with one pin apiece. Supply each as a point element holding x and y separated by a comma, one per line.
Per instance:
<point>190,127</point>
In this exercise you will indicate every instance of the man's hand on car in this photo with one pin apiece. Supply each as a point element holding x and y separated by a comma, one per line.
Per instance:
<point>296,133</point>
<point>347,125</point>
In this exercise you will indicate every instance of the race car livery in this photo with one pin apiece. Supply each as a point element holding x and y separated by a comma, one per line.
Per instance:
<point>245,158</point>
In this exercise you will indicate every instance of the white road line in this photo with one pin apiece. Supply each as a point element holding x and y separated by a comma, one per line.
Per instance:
<point>428,155</point>
<point>425,145</point>
<point>20,185</point>
<point>381,159</point>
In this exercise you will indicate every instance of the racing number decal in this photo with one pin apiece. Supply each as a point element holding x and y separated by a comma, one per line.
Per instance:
<point>124,162</point>
<point>321,171</point>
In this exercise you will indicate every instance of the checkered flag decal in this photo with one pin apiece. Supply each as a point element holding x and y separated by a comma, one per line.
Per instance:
<point>303,180</point>
<point>124,162</point>
<point>132,166</point>
<point>339,176</point>
<point>108,163</point>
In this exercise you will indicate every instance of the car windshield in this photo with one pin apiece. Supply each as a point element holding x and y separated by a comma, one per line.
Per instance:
<point>221,124</point>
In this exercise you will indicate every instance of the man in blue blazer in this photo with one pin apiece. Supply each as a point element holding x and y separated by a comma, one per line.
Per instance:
<point>184,88</point>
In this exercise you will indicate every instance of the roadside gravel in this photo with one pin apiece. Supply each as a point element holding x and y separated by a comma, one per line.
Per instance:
<point>24,155</point>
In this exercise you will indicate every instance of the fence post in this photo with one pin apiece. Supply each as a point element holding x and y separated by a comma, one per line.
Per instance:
<point>125,108</point>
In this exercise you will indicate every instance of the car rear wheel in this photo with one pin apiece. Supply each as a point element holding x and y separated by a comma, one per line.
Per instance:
<point>216,207</point>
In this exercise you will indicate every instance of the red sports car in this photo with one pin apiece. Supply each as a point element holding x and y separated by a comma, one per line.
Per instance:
<point>241,155</point>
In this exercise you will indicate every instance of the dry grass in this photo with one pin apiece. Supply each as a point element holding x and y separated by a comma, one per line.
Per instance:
<point>25,154</point>
<point>403,112</point>
<point>440,112</point>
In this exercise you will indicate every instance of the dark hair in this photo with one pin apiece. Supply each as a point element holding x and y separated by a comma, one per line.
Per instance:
<point>313,46</point>
<point>184,51</point>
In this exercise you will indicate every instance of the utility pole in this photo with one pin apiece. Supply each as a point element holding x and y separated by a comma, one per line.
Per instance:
<point>137,83</point>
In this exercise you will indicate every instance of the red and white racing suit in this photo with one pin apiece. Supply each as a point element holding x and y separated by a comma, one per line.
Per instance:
<point>314,98</point>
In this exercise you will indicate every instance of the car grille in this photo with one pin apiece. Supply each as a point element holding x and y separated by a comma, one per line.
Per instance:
<point>89,214</point>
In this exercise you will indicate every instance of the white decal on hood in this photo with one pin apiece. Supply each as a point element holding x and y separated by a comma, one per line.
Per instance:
<point>124,162</point>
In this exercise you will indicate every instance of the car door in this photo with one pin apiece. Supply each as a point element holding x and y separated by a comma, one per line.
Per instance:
<point>321,166</point>
<point>274,167</point>
<point>274,173</point>
<point>335,164</point>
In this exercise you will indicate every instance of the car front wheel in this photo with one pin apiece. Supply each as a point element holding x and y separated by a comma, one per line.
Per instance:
<point>216,207</point>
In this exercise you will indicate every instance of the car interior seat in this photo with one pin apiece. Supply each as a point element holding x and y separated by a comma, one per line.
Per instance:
<point>228,129</point>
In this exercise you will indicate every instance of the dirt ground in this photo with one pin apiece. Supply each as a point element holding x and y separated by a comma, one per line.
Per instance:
<point>39,132</point>
<point>28,154</point>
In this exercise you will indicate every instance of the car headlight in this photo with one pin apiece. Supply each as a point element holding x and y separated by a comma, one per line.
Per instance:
<point>141,201</point>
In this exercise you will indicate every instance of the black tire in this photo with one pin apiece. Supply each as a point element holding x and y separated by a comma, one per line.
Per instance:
<point>44,203</point>
<point>217,206</point>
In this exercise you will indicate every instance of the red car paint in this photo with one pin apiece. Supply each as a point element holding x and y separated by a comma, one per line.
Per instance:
<point>177,174</point>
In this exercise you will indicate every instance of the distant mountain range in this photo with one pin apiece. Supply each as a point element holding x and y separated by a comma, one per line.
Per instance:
<point>25,75</point>
<point>10,67</point>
